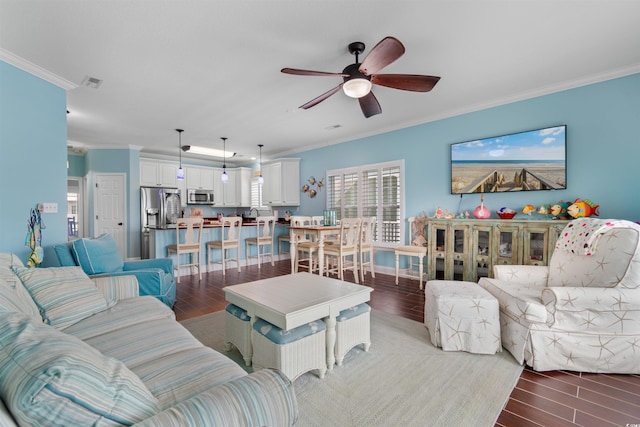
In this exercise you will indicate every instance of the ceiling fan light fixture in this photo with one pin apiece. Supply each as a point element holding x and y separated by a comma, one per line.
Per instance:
<point>357,87</point>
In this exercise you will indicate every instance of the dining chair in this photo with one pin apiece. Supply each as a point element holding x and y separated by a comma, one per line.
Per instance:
<point>365,246</point>
<point>345,246</point>
<point>265,227</point>
<point>306,245</point>
<point>229,239</point>
<point>188,236</point>
<point>411,251</point>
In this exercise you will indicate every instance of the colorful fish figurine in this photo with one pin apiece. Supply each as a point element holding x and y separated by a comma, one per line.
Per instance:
<point>528,209</point>
<point>544,209</point>
<point>559,210</point>
<point>583,208</point>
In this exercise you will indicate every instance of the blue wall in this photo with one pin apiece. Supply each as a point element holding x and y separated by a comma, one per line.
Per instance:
<point>33,161</point>
<point>602,155</point>
<point>603,152</point>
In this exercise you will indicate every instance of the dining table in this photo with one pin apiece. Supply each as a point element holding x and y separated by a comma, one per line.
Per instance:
<point>317,232</point>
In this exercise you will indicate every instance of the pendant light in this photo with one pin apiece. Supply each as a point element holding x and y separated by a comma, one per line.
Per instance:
<point>224,177</point>
<point>180,174</point>
<point>260,178</point>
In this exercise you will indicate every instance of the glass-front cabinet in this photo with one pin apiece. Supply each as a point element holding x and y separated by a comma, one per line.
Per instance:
<point>462,249</point>
<point>481,247</point>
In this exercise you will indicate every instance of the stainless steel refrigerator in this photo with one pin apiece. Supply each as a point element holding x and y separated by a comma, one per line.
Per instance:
<point>159,208</point>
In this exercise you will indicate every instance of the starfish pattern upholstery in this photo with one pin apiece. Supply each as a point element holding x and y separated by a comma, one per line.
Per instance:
<point>581,312</point>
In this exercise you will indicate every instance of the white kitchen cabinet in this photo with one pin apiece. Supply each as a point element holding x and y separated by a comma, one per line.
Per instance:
<point>281,181</point>
<point>237,191</point>
<point>158,174</point>
<point>199,177</point>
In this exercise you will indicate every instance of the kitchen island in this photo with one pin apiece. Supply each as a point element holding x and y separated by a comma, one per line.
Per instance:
<point>160,238</point>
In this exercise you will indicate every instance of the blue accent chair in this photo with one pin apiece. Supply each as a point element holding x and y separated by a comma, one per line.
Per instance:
<point>100,257</point>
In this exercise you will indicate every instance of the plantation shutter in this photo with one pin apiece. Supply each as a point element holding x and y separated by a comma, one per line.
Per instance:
<point>391,208</point>
<point>370,191</point>
<point>256,194</point>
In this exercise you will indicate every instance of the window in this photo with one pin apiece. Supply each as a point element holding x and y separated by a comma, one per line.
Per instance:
<point>371,190</point>
<point>256,194</point>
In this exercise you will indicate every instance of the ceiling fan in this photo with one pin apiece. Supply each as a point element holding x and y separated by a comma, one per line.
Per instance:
<point>359,77</point>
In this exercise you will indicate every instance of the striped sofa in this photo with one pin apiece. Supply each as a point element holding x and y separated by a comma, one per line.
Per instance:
<point>80,351</point>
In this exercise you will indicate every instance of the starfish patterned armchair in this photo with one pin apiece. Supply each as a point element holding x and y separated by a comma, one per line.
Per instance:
<point>582,312</point>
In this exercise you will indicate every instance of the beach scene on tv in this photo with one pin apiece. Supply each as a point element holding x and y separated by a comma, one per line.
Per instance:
<point>525,161</point>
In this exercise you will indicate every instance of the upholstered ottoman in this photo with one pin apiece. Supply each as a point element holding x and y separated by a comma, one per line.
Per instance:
<point>293,352</point>
<point>462,316</point>
<point>238,331</point>
<point>352,328</point>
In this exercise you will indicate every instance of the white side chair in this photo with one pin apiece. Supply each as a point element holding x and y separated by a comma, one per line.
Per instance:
<point>188,236</point>
<point>345,247</point>
<point>265,227</point>
<point>365,246</point>
<point>411,251</point>
<point>229,239</point>
<point>306,245</point>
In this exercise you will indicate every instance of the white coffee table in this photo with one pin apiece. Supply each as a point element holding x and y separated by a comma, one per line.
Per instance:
<point>296,299</point>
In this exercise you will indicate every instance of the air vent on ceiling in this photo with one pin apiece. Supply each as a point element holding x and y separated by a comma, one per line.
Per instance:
<point>92,82</point>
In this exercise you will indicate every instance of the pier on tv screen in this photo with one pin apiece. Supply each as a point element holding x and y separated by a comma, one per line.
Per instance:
<point>524,161</point>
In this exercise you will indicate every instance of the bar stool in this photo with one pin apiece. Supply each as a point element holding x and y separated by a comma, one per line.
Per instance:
<point>365,246</point>
<point>265,226</point>
<point>345,247</point>
<point>229,239</point>
<point>187,243</point>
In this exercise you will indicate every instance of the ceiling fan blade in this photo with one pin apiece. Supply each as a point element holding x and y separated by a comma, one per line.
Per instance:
<point>322,97</point>
<point>370,105</point>
<point>297,72</point>
<point>412,82</point>
<point>384,53</point>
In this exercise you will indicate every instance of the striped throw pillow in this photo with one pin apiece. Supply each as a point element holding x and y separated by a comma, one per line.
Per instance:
<point>64,295</point>
<point>51,378</point>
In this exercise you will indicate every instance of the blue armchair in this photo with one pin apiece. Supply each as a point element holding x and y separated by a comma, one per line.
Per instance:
<point>101,257</point>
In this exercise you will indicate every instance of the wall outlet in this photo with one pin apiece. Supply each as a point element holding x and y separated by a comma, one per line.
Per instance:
<point>48,207</point>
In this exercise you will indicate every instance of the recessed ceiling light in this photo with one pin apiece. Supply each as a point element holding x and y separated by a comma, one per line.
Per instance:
<point>333,127</point>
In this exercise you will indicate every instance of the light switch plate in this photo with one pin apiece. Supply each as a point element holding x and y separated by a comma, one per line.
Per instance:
<point>49,208</point>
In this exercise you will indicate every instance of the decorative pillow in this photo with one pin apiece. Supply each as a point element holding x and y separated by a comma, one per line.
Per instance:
<point>14,297</point>
<point>65,257</point>
<point>8,259</point>
<point>54,379</point>
<point>64,295</point>
<point>99,255</point>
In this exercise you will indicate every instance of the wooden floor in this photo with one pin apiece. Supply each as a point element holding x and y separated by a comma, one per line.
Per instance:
<point>556,398</point>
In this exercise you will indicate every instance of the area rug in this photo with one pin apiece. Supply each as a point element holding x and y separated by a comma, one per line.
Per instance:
<point>403,380</point>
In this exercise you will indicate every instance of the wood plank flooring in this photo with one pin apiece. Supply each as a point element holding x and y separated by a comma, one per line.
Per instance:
<point>555,398</point>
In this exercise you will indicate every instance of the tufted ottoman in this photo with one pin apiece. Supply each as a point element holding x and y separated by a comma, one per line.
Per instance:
<point>238,331</point>
<point>352,328</point>
<point>293,352</point>
<point>462,316</point>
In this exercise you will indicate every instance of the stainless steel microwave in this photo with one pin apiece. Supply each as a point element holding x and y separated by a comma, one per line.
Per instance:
<point>196,196</point>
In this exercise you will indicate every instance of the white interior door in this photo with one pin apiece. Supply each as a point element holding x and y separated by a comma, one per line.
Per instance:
<point>109,208</point>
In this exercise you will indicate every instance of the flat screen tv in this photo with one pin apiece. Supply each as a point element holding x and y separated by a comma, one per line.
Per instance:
<point>524,161</point>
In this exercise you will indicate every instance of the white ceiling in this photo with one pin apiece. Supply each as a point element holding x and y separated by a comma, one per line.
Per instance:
<point>213,67</point>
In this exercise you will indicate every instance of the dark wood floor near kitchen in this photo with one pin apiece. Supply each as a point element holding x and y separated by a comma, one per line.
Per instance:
<point>557,398</point>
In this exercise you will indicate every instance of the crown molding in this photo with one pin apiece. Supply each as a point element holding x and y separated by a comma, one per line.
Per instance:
<point>36,70</point>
